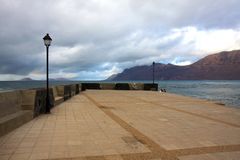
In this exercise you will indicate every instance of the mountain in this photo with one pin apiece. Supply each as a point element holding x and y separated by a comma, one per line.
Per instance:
<point>59,79</point>
<point>27,79</point>
<point>220,66</point>
<point>51,79</point>
<point>111,77</point>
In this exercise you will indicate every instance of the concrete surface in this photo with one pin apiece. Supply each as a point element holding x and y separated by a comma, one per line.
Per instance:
<point>14,120</point>
<point>104,124</point>
<point>28,99</point>
<point>10,102</point>
<point>15,109</point>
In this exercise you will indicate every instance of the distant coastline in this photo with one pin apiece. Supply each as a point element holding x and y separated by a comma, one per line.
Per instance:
<point>51,79</point>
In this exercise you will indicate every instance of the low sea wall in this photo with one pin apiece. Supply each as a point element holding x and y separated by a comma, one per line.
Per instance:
<point>120,86</point>
<point>20,106</point>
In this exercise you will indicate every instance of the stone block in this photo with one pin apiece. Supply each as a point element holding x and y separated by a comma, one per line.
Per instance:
<point>136,86</point>
<point>108,86</point>
<point>10,102</point>
<point>122,86</point>
<point>73,90</point>
<point>90,86</point>
<point>28,99</point>
<point>57,98</point>
<point>77,89</point>
<point>13,121</point>
<point>40,101</point>
<point>80,87</point>
<point>151,86</point>
<point>67,92</point>
<point>60,90</point>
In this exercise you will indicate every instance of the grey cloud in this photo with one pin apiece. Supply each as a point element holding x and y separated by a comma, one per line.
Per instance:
<point>88,34</point>
<point>203,13</point>
<point>19,59</point>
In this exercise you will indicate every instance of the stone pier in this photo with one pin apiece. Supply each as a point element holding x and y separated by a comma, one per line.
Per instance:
<point>128,125</point>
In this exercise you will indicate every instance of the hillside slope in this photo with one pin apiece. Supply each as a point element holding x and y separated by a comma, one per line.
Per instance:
<point>220,66</point>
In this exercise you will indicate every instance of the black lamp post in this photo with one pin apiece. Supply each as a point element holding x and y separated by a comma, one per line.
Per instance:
<point>153,65</point>
<point>47,41</point>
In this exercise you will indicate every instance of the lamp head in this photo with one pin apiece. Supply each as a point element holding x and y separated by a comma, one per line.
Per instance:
<point>47,40</point>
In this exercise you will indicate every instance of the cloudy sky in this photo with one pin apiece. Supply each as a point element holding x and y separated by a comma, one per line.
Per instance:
<point>93,39</point>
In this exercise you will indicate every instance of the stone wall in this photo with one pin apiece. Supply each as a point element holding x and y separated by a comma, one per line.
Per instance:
<point>67,92</point>
<point>19,107</point>
<point>90,86</point>
<point>150,87</point>
<point>120,86</point>
<point>60,90</point>
<point>107,86</point>
<point>40,101</point>
<point>28,99</point>
<point>35,99</point>
<point>10,102</point>
<point>12,113</point>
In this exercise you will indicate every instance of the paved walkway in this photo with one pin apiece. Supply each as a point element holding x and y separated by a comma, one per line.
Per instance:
<point>124,125</point>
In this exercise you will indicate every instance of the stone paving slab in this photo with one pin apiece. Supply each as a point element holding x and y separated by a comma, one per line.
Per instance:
<point>125,125</point>
<point>76,128</point>
<point>177,130</point>
<point>189,104</point>
<point>213,156</point>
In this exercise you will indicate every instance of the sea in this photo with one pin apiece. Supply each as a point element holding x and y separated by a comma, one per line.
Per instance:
<point>224,92</point>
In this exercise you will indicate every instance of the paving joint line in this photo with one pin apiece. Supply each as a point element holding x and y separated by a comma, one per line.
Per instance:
<point>129,156</point>
<point>157,151</point>
<point>205,150</point>
<point>198,150</point>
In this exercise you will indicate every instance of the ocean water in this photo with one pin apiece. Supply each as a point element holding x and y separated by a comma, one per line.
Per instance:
<point>16,85</point>
<point>226,92</point>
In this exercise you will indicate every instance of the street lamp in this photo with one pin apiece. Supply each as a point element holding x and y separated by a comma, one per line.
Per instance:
<point>153,74</point>
<point>47,41</point>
